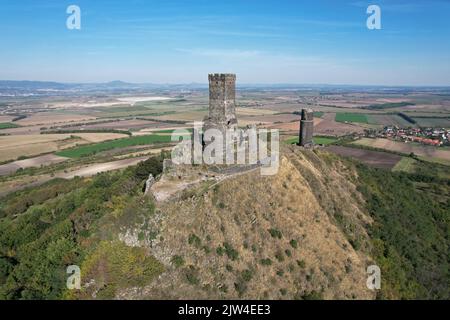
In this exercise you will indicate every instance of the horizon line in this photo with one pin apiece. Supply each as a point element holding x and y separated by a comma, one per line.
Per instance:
<point>237,84</point>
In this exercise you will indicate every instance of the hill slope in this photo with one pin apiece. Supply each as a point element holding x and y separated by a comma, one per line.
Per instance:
<point>308,232</point>
<point>260,237</point>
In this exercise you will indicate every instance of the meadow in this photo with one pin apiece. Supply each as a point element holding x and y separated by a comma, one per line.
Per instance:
<point>317,140</point>
<point>8,125</point>
<point>351,117</point>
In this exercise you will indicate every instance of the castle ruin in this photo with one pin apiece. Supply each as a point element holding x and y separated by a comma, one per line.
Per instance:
<point>222,102</point>
<point>306,128</point>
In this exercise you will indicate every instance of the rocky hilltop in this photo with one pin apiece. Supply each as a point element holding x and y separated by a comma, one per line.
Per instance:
<point>251,236</point>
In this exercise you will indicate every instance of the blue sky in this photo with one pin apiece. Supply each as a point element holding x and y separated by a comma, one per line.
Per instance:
<point>181,41</point>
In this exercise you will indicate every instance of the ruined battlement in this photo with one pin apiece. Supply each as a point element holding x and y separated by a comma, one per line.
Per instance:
<point>221,77</point>
<point>307,115</point>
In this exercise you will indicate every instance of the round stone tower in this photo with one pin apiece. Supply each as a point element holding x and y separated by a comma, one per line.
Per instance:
<point>306,128</point>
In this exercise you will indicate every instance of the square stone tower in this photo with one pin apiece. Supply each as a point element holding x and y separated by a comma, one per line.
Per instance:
<point>306,128</point>
<point>222,101</point>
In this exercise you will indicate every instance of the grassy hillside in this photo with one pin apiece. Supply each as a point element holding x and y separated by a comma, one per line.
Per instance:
<point>44,230</point>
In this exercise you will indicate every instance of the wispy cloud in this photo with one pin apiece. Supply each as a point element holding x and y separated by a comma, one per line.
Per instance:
<point>223,53</point>
<point>259,57</point>
<point>403,7</point>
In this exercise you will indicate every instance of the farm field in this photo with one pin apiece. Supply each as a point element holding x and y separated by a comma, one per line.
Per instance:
<point>317,140</point>
<point>329,127</point>
<point>24,182</point>
<point>108,145</point>
<point>406,148</point>
<point>433,122</point>
<point>388,120</point>
<point>182,116</point>
<point>46,118</point>
<point>151,117</point>
<point>44,160</point>
<point>15,146</point>
<point>351,117</point>
<point>8,125</point>
<point>134,124</point>
<point>407,164</point>
<point>375,159</point>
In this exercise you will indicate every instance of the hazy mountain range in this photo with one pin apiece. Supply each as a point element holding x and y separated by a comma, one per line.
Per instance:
<point>12,88</point>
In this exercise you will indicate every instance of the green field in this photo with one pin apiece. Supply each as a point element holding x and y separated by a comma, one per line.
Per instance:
<point>87,150</point>
<point>388,105</point>
<point>8,125</point>
<point>407,165</point>
<point>351,117</point>
<point>318,114</point>
<point>317,140</point>
<point>324,140</point>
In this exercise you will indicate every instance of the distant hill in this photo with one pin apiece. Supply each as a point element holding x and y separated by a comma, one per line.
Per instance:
<point>119,84</point>
<point>25,84</point>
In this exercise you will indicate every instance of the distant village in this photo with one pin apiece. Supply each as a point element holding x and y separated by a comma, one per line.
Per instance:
<point>427,136</point>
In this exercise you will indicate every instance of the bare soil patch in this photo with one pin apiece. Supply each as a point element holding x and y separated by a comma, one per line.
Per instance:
<point>375,159</point>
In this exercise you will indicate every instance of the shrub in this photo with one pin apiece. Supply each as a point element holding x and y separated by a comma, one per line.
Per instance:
<point>279,256</point>
<point>194,240</point>
<point>275,233</point>
<point>177,261</point>
<point>192,275</point>
<point>247,275</point>
<point>220,251</point>
<point>294,243</point>
<point>230,251</point>
<point>266,262</point>
<point>301,263</point>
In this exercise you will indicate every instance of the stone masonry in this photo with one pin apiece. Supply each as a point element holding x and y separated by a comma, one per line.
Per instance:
<point>222,102</point>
